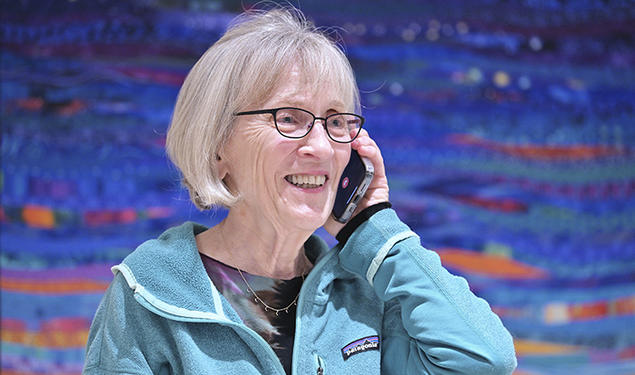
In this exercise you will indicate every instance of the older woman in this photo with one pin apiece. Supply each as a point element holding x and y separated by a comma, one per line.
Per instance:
<point>254,130</point>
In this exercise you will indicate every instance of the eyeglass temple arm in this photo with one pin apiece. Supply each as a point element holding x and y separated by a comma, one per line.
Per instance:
<point>256,112</point>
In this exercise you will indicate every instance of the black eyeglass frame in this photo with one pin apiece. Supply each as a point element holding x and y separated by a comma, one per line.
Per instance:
<point>273,112</point>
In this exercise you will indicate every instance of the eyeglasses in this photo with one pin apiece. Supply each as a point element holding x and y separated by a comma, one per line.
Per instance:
<point>297,123</point>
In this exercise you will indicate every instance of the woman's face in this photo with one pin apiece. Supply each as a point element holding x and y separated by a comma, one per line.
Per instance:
<point>267,169</point>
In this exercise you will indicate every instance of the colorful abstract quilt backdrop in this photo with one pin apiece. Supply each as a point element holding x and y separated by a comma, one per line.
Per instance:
<point>507,129</point>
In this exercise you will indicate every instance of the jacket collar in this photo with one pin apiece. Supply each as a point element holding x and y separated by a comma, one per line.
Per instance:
<point>169,274</point>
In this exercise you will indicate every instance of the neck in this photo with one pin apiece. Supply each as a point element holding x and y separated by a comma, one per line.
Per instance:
<point>256,247</point>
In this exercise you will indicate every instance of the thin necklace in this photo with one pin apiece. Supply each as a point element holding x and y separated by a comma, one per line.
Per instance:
<point>256,298</point>
<point>267,307</point>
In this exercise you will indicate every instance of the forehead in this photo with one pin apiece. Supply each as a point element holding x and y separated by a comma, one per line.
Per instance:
<point>300,88</point>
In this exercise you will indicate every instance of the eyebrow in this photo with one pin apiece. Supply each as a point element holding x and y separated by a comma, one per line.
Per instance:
<point>291,102</point>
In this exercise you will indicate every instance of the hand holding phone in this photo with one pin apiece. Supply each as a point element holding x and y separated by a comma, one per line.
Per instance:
<point>355,180</point>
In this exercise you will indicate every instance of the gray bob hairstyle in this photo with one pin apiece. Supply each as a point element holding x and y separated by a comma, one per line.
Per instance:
<point>240,71</point>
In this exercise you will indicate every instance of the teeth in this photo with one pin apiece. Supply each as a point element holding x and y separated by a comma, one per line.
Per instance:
<point>306,181</point>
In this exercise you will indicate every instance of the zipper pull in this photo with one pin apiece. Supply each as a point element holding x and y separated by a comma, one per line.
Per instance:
<point>320,364</point>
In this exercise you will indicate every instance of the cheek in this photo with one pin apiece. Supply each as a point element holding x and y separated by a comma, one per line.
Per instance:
<point>243,159</point>
<point>263,151</point>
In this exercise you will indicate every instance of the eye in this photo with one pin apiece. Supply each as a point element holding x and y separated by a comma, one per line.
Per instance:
<point>286,118</point>
<point>289,117</point>
<point>337,121</point>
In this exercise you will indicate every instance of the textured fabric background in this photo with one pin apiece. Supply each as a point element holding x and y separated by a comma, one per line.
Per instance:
<point>507,129</point>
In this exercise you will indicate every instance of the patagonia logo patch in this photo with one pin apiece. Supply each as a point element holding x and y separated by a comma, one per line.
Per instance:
<point>359,346</point>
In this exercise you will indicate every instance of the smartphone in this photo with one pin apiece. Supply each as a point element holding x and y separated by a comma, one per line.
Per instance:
<point>353,184</point>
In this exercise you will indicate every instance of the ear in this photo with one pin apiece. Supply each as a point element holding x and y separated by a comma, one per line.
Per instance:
<point>221,167</point>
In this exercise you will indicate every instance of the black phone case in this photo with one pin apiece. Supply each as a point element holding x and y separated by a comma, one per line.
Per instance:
<point>352,186</point>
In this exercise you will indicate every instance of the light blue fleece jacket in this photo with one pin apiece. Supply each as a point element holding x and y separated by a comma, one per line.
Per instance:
<point>163,315</point>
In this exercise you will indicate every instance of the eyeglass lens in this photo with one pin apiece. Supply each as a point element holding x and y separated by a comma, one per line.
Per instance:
<point>296,123</point>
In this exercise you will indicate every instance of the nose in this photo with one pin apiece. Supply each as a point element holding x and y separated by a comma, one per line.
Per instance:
<point>317,142</point>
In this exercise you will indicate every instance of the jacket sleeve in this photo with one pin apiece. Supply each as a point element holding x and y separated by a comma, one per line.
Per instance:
<point>433,324</point>
<point>115,343</point>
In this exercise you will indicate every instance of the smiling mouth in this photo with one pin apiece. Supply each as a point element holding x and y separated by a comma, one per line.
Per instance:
<point>306,181</point>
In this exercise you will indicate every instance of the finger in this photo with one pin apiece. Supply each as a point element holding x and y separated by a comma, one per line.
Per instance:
<point>363,139</point>
<point>367,147</point>
<point>375,158</point>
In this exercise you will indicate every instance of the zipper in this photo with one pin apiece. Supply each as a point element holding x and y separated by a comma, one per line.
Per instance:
<point>319,363</point>
<point>301,301</point>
